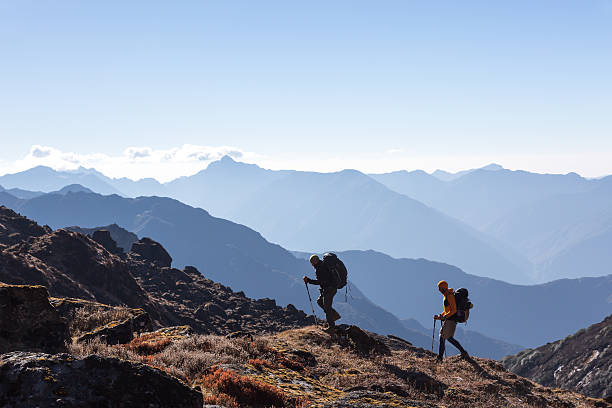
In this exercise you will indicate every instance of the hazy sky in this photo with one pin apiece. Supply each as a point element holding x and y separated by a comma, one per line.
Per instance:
<point>160,88</point>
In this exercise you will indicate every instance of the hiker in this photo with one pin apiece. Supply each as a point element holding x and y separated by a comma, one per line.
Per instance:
<point>449,321</point>
<point>328,289</point>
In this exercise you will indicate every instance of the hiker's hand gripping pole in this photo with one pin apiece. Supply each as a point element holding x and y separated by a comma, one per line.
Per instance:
<point>310,299</point>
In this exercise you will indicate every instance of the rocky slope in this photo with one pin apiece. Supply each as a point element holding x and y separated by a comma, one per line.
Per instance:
<point>580,362</point>
<point>73,265</point>
<point>310,368</point>
<point>15,228</point>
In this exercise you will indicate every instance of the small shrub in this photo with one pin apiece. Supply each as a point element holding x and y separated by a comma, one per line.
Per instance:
<point>245,390</point>
<point>260,364</point>
<point>151,343</point>
<point>222,400</point>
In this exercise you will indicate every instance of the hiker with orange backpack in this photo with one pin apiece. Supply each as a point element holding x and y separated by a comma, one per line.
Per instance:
<point>449,317</point>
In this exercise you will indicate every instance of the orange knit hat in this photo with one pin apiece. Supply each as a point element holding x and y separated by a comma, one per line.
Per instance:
<point>443,285</point>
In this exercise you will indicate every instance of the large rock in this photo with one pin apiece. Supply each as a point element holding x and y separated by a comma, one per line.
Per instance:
<point>43,380</point>
<point>103,237</point>
<point>151,251</point>
<point>29,322</point>
<point>120,331</point>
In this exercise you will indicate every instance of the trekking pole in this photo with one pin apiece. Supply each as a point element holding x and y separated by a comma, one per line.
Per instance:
<point>310,299</point>
<point>433,333</point>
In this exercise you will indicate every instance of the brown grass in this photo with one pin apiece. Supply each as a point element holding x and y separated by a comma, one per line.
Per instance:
<point>149,343</point>
<point>246,391</point>
<point>224,369</point>
<point>87,318</point>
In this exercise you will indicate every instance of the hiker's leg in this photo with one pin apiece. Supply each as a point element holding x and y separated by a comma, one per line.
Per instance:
<point>321,299</point>
<point>441,349</point>
<point>328,298</point>
<point>455,343</point>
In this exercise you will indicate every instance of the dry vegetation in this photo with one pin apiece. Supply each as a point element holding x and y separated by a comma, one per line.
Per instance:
<point>85,319</point>
<point>279,370</point>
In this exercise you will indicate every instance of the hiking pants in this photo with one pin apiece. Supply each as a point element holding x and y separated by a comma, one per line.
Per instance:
<point>325,300</point>
<point>446,333</point>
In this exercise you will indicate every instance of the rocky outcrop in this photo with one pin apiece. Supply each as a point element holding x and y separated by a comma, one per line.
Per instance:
<point>151,251</point>
<point>72,265</point>
<point>43,380</point>
<point>122,237</point>
<point>29,322</point>
<point>209,307</point>
<point>580,362</point>
<point>120,331</point>
<point>15,228</point>
<point>103,237</point>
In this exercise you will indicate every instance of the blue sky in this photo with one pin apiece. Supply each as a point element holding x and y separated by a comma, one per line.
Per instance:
<point>373,85</point>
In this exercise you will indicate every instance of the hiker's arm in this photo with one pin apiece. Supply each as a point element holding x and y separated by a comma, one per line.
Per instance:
<point>314,281</point>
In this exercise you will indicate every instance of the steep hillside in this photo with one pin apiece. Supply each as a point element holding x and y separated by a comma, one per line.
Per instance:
<point>581,362</point>
<point>72,265</point>
<point>223,251</point>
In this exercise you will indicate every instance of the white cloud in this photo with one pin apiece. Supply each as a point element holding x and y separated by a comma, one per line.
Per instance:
<point>136,162</point>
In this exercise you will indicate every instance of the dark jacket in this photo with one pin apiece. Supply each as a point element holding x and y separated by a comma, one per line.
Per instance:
<point>324,276</point>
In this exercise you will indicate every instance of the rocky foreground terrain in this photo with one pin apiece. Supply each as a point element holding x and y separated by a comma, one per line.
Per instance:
<point>581,362</point>
<point>83,323</point>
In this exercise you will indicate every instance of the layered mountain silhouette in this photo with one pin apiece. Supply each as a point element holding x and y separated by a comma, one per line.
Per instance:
<point>294,208</point>
<point>565,235</point>
<point>561,223</point>
<point>545,226</point>
<point>581,362</point>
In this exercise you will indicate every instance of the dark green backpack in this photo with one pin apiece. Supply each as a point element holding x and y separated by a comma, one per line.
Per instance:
<point>337,269</point>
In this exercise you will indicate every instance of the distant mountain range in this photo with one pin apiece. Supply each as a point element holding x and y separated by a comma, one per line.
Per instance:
<point>516,226</point>
<point>315,211</point>
<point>561,223</point>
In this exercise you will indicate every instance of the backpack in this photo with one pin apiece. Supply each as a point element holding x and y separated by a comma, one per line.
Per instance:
<point>463,305</point>
<point>337,269</point>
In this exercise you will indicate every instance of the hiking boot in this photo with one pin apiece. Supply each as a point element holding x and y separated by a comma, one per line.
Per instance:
<point>465,355</point>
<point>439,359</point>
<point>330,329</point>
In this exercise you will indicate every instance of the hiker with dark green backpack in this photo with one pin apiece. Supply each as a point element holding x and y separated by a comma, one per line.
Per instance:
<point>331,275</point>
<point>456,310</point>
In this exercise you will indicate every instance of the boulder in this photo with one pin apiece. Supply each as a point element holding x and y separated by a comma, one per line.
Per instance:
<point>120,332</point>
<point>362,342</point>
<point>61,380</point>
<point>151,251</point>
<point>28,322</point>
<point>103,237</point>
